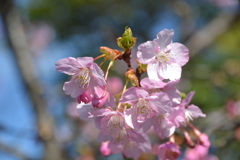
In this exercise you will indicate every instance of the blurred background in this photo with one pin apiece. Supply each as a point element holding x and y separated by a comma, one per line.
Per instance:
<point>38,121</point>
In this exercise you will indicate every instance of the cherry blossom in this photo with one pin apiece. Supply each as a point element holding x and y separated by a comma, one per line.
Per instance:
<point>86,75</point>
<point>144,105</point>
<point>152,102</point>
<point>155,86</point>
<point>165,124</point>
<point>163,57</point>
<point>191,111</point>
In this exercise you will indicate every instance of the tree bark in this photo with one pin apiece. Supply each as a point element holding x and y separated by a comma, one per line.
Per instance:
<point>18,43</point>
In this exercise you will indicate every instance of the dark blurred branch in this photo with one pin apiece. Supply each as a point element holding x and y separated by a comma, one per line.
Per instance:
<point>13,152</point>
<point>204,37</point>
<point>18,43</point>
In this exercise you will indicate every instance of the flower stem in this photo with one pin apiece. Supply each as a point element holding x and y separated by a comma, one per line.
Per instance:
<point>102,63</point>
<point>124,88</point>
<point>100,56</point>
<point>195,130</point>
<point>109,66</point>
<point>189,140</point>
<point>172,138</point>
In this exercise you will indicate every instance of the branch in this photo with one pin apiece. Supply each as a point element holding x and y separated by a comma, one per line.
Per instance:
<point>13,152</point>
<point>204,37</point>
<point>18,43</point>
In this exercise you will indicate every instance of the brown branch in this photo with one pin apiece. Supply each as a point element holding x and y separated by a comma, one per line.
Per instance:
<point>13,152</point>
<point>206,36</point>
<point>18,43</point>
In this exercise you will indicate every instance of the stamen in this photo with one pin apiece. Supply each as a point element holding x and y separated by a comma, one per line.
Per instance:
<point>188,116</point>
<point>143,108</point>
<point>82,78</point>
<point>163,57</point>
<point>122,137</point>
<point>161,117</point>
<point>156,90</point>
<point>116,123</point>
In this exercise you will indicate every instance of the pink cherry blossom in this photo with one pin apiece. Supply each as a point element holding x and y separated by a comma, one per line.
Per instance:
<point>134,148</point>
<point>199,152</point>
<point>122,138</point>
<point>168,151</point>
<point>154,86</point>
<point>136,143</point>
<point>191,111</point>
<point>165,124</point>
<point>145,105</point>
<point>86,75</point>
<point>163,57</point>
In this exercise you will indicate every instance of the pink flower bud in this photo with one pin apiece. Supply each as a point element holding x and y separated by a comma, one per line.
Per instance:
<point>85,97</point>
<point>203,138</point>
<point>99,102</point>
<point>168,151</point>
<point>105,151</point>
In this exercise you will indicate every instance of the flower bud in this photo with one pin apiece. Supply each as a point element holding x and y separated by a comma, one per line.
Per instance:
<point>127,41</point>
<point>130,74</point>
<point>169,151</point>
<point>85,98</point>
<point>105,151</point>
<point>99,102</point>
<point>203,140</point>
<point>109,54</point>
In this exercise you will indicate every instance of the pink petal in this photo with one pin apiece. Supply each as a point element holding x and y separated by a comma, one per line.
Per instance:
<point>84,111</point>
<point>97,75</point>
<point>133,94</point>
<point>85,62</point>
<point>177,116</point>
<point>72,88</point>
<point>185,102</point>
<point>115,147</point>
<point>103,137</point>
<point>195,111</point>
<point>148,84</point>
<point>111,102</point>
<point>147,52</point>
<point>180,53</point>
<point>103,112</point>
<point>67,65</point>
<point>174,95</point>
<point>161,102</point>
<point>164,38</point>
<point>132,151</point>
<point>152,71</point>
<point>131,118</point>
<point>99,102</point>
<point>146,125</point>
<point>163,127</point>
<point>170,71</point>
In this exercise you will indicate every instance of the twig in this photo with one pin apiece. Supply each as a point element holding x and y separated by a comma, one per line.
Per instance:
<point>13,152</point>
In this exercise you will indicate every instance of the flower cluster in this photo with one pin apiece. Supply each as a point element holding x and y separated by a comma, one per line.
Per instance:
<point>152,102</point>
